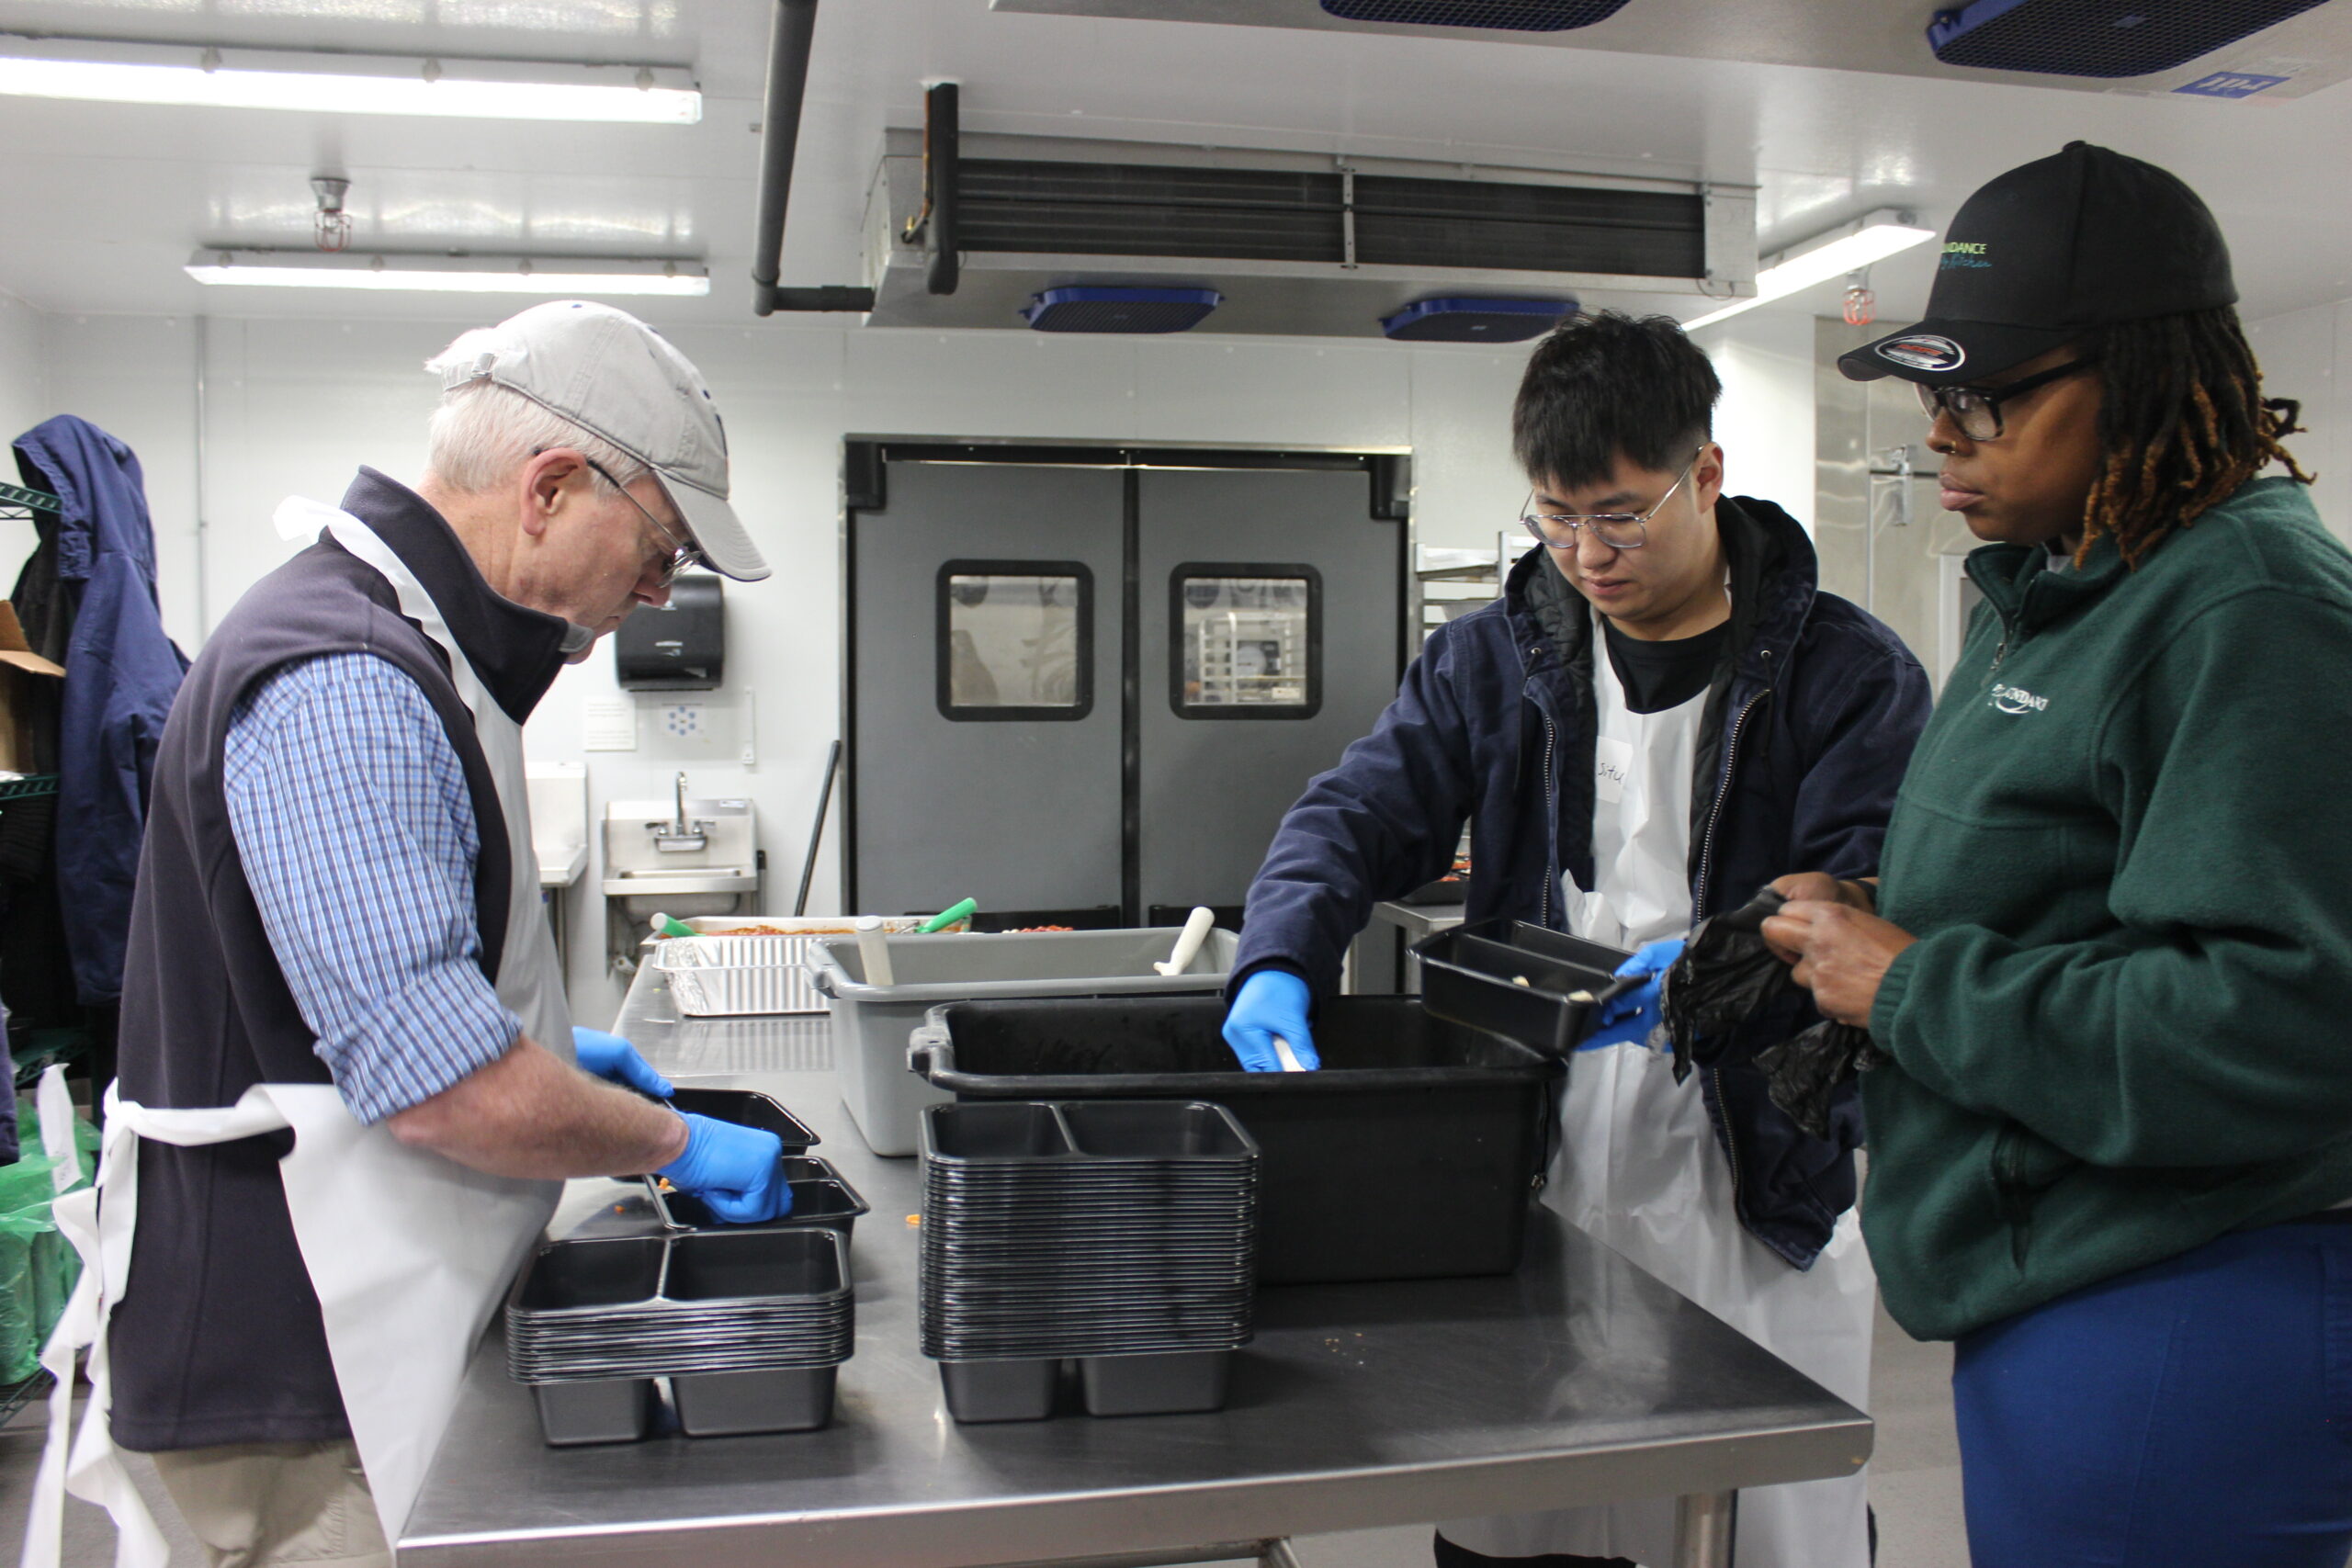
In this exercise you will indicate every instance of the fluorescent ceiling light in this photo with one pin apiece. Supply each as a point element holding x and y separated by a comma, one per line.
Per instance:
<point>347,83</point>
<point>1874,237</point>
<point>554,277</point>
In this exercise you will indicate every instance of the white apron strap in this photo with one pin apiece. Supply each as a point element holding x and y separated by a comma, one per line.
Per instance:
<point>98,1222</point>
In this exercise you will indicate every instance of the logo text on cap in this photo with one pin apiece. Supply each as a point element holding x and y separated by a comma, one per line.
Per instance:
<point>1924,351</point>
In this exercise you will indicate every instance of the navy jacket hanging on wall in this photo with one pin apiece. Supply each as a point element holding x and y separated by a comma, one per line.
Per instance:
<point>121,673</point>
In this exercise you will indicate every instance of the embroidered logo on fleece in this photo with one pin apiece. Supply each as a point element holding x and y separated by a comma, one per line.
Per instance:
<point>2017,699</point>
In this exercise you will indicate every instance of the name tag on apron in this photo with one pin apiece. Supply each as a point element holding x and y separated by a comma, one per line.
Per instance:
<point>1613,767</point>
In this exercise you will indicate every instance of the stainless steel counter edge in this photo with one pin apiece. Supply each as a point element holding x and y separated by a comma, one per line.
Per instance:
<point>1578,1380</point>
<point>961,1535</point>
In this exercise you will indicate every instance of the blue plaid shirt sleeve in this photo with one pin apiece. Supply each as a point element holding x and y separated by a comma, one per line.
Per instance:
<point>358,836</point>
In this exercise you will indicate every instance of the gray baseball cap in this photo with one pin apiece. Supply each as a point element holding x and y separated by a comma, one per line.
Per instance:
<point>616,377</point>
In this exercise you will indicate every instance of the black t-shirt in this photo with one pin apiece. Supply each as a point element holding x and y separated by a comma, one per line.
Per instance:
<point>1661,675</point>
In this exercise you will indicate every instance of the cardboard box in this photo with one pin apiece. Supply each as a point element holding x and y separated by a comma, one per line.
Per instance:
<point>20,668</point>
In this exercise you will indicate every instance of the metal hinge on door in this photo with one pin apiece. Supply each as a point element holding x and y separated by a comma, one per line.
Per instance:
<point>1347,216</point>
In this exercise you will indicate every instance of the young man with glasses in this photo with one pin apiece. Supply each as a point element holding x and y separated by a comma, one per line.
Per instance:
<point>1662,714</point>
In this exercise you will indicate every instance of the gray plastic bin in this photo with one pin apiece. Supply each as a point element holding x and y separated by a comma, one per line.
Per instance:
<point>871,1023</point>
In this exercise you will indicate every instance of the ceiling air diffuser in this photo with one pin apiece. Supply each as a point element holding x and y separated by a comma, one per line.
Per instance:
<point>1093,308</point>
<point>2099,37</point>
<point>1514,16</point>
<point>1475,321</point>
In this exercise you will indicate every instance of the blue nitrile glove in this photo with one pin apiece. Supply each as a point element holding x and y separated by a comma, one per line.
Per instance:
<point>1270,1002</point>
<point>614,1060</point>
<point>737,1170</point>
<point>1628,1017</point>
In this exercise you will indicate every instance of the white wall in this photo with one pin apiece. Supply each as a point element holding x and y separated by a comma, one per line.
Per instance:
<point>2307,354</point>
<point>24,402</point>
<point>134,377</point>
<point>1765,422</point>
<point>24,377</point>
<point>292,407</point>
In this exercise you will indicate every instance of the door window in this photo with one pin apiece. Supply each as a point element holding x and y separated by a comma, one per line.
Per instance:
<point>1016,641</point>
<point>1247,641</point>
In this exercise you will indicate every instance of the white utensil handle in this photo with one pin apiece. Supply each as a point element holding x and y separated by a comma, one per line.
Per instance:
<point>1288,1057</point>
<point>1197,926</point>
<point>874,950</point>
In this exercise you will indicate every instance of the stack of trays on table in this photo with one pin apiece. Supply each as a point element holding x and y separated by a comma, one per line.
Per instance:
<point>749,1327</point>
<point>1121,1233</point>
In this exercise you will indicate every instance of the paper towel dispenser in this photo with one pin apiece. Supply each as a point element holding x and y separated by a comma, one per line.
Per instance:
<point>680,647</point>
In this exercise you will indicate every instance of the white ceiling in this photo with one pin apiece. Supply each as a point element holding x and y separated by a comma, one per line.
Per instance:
<point>105,202</point>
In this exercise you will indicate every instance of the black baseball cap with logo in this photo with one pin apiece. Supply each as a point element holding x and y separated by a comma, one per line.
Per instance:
<point>2052,249</point>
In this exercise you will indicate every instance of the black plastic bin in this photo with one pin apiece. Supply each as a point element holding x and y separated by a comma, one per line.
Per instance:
<point>746,1108</point>
<point>819,1197</point>
<point>1412,1155</point>
<point>1539,987</point>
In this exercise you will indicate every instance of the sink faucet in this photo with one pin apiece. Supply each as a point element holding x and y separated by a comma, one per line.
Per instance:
<point>680,835</point>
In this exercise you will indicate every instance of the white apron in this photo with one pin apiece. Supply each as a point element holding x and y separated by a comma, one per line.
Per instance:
<point>409,1251</point>
<point>1640,1171</point>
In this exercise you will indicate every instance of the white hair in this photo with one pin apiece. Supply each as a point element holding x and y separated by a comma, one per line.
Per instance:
<point>482,432</point>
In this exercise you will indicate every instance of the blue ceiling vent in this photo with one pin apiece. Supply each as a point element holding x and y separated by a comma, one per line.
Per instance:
<point>1090,309</point>
<point>1475,321</point>
<point>2099,37</point>
<point>1512,16</point>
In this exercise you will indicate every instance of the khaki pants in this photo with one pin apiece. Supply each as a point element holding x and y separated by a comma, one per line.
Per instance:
<point>260,1504</point>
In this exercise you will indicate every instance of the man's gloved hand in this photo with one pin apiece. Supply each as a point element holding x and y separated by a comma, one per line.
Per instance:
<point>737,1170</point>
<point>1628,1017</point>
<point>1271,1003</point>
<point>614,1060</point>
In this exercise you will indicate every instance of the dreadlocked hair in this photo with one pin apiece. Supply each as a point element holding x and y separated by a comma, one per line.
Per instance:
<point>2183,422</point>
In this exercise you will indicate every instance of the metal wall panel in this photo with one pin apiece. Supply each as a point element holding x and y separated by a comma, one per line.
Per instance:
<point>1021,813</point>
<point>1214,789</point>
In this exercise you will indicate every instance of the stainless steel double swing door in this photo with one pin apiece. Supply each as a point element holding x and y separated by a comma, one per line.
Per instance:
<point>1084,686</point>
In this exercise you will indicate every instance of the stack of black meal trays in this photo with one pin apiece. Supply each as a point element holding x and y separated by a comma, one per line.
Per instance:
<point>1119,1233</point>
<point>748,1323</point>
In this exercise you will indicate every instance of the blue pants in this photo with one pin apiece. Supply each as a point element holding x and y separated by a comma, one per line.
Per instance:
<point>2197,1412</point>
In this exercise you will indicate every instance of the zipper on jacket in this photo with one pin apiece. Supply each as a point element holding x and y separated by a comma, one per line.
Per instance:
<point>1731,1136</point>
<point>1722,793</point>
<point>1706,868</point>
<point>1551,812</point>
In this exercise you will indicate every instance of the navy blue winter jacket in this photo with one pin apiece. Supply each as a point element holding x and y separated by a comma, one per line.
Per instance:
<point>121,673</point>
<point>1808,728</point>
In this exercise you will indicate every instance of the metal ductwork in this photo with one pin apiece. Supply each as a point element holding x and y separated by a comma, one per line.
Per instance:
<point>1298,244</point>
<point>795,24</point>
<point>2292,55</point>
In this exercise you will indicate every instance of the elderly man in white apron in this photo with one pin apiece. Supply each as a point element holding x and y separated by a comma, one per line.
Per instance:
<point>1661,713</point>
<point>347,1084</point>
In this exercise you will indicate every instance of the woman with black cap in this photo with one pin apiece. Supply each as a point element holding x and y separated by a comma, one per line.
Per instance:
<point>2107,970</point>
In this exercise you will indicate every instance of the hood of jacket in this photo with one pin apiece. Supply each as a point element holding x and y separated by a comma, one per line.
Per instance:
<point>105,494</point>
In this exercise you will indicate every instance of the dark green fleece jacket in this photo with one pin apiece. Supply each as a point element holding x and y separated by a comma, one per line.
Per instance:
<point>2125,844</point>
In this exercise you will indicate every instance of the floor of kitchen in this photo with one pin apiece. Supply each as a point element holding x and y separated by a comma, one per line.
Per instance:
<point>1915,1481</point>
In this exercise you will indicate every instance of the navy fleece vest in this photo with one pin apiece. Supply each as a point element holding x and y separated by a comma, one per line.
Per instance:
<point>219,1337</point>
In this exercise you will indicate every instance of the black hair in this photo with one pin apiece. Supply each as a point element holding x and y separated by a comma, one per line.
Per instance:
<point>2182,421</point>
<point>1607,385</point>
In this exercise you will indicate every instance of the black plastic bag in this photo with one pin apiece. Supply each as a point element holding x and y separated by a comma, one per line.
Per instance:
<point>1805,1074</point>
<point>1726,977</point>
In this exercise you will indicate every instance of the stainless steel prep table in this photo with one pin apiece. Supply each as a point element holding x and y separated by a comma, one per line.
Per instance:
<point>1578,1380</point>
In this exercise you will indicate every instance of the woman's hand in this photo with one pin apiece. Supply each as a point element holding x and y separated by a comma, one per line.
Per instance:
<point>1840,953</point>
<point>1819,886</point>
